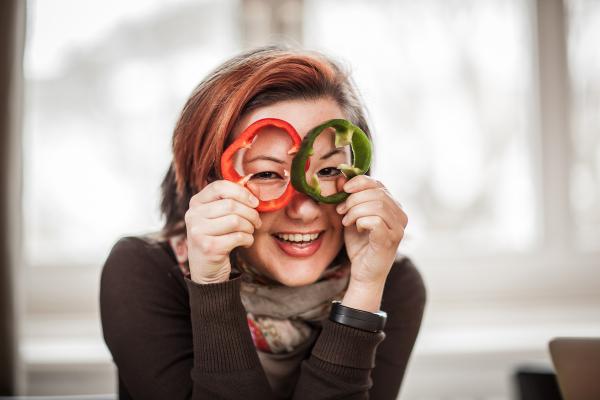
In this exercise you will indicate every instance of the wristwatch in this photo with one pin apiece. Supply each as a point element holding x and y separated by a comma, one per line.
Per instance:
<point>365,320</point>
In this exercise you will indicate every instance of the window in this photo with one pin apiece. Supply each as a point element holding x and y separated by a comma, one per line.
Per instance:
<point>103,92</point>
<point>584,63</point>
<point>485,114</point>
<point>450,89</point>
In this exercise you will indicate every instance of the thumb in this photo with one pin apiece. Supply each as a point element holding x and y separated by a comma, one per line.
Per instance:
<point>340,182</point>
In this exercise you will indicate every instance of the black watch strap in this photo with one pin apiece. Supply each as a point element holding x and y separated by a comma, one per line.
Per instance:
<point>365,320</point>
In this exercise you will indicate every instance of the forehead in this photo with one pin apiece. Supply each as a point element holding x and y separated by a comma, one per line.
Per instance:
<point>303,115</point>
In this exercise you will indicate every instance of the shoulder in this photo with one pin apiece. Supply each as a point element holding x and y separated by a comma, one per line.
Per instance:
<point>136,266</point>
<point>138,251</point>
<point>405,274</point>
<point>128,247</point>
<point>405,292</point>
<point>145,318</point>
<point>129,254</point>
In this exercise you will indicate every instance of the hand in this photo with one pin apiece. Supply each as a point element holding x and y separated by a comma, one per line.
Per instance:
<point>374,226</point>
<point>221,217</point>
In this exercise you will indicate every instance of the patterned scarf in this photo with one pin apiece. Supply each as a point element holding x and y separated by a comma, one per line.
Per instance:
<point>280,318</point>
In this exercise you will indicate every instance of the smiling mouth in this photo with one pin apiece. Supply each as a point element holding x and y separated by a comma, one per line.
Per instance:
<point>297,238</point>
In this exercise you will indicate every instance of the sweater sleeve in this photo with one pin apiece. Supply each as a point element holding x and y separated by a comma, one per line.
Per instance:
<point>340,364</point>
<point>165,349</point>
<point>350,363</point>
<point>404,301</point>
<point>226,365</point>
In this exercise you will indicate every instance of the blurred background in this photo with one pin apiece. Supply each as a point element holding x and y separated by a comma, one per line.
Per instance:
<point>486,122</point>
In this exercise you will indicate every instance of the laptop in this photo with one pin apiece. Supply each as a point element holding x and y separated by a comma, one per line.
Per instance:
<point>577,365</point>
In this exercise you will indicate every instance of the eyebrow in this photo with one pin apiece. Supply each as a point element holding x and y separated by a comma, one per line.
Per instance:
<point>278,161</point>
<point>267,158</point>
<point>332,152</point>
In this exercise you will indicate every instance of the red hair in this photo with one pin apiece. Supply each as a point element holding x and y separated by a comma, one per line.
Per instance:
<point>254,79</point>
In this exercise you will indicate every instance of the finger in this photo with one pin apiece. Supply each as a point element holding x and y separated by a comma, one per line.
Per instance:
<point>228,224</point>
<point>223,244</point>
<point>340,182</point>
<point>223,189</point>
<point>364,196</point>
<point>223,207</point>
<point>361,182</point>
<point>369,208</point>
<point>377,194</point>
<point>233,240</point>
<point>377,227</point>
<point>378,232</point>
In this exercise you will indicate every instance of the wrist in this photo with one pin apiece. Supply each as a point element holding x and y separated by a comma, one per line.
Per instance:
<point>218,278</point>
<point>364,296</point>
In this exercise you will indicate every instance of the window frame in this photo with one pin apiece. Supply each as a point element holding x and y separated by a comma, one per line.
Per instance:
<point>539,272</point>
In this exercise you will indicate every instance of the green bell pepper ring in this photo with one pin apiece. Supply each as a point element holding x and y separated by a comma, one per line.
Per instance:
<point>345,133</point>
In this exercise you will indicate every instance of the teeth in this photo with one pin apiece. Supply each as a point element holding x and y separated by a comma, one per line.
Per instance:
<point>297,237</point>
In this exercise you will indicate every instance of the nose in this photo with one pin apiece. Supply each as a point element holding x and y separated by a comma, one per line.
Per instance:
<point>303,208</point>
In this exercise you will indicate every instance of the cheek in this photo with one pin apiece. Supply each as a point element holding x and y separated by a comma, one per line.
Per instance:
<point>335,219</point>
<point>267,220</point>
<point>262,238</point>
<point>337,230</point>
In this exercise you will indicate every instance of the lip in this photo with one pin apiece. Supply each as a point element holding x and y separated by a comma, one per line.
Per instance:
<point>295,250</point>
<point>301,233</point>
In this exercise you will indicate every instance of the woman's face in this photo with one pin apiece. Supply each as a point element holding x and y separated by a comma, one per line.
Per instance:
<point>293,263</point>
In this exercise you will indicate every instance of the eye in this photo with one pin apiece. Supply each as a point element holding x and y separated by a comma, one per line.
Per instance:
<point>329,171</point>
<point>266,175</point>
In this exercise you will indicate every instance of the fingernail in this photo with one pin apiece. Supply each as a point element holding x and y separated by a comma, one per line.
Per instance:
<point>254,201</point>
<point>344,221</point>
<point>349,186</point>
<point>340,208</point>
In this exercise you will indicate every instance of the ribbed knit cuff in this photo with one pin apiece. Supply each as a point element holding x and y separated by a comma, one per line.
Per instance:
<point>222,339</point>
<point>347,346</point>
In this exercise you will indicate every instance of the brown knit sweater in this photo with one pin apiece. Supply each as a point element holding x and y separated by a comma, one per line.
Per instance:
<point>172,338</point>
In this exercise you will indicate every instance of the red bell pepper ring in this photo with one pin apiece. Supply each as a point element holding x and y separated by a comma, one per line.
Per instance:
<point>245,140</point>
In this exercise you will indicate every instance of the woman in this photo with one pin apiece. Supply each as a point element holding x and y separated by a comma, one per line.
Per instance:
<point>225,302</point>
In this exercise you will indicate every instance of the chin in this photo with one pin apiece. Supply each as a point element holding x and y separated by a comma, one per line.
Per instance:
<point>298,274</point>
<point>295,271</point>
